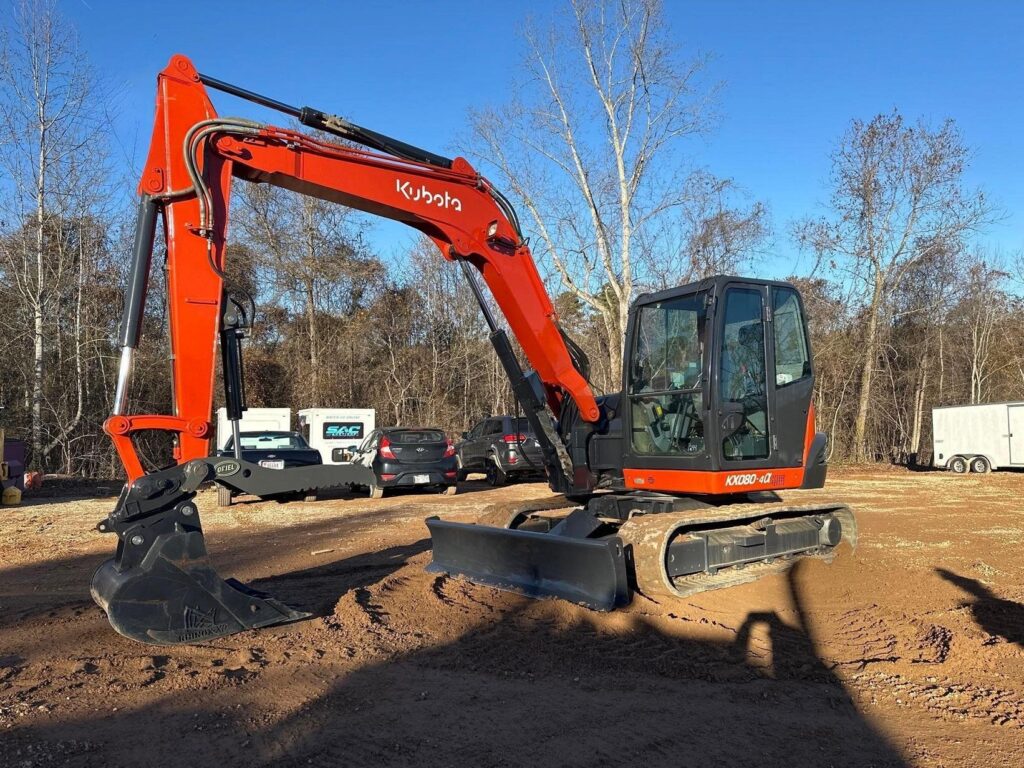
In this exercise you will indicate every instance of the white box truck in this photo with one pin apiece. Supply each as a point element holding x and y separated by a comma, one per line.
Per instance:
<point>332,431</point>
<point>977,438</point>
<point>253,420</point>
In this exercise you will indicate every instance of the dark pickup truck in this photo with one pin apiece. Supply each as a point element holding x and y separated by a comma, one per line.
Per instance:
<point>274,450</point>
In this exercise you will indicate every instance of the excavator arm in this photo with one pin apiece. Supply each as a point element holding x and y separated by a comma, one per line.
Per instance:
<point>160,586</point>
<point>193,158</point>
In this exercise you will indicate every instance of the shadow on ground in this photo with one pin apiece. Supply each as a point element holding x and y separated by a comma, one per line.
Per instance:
<point>995,615</point>
<point>507,687</point>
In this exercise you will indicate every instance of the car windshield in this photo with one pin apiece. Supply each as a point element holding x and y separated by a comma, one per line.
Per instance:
<point>417,436</point>
<point>275,441</point>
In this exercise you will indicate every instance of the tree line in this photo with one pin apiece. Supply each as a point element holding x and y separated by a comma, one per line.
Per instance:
<point>595,146</point>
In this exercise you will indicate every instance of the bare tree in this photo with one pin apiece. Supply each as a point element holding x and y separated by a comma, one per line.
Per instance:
<point>308,258</point>
<point>592,148</point>
<point>897,195</point>
<point>982,313</point>
<point>51,123</point>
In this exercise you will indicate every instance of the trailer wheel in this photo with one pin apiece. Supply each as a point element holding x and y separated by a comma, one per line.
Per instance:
<point>980,465</point>
<point>223,496</point>
<point>958,465</point>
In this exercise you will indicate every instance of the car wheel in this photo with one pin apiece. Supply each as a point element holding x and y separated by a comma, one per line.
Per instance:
<point>376,492</point>
<point>980,465</point>
<point>451,490</point>
<point>958,465</point>
<point>496,476</point>
<point>223,496</point>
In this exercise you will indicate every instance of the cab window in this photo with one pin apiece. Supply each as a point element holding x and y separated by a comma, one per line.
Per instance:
<point>665,378</point>
<point>742,376</point>
<point>368,442</point>
<point>792,361</point>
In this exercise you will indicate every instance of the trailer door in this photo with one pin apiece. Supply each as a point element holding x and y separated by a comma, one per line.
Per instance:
<point>1016,418</point>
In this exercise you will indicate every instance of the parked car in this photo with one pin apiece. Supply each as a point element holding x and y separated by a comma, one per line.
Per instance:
<point>271,449</point>
<point>409,458</point>
<point>501,447</point>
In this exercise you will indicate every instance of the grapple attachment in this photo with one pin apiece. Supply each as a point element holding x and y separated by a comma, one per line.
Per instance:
<point>160,586</point>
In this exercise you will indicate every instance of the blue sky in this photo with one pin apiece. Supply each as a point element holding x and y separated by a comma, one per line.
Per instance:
<point>794,74</point>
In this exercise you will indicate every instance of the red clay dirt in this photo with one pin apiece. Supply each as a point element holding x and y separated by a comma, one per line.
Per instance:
<point>906,652</point>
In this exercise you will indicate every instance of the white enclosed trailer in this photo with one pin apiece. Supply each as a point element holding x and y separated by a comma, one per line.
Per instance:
<point>253,420</point>
<point>978,438</point>
<point>332,431</point>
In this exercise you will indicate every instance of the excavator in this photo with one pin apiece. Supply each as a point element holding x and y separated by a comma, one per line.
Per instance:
<point>666,488</point>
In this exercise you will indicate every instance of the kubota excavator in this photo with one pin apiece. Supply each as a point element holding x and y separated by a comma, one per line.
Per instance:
<point>667,483</point>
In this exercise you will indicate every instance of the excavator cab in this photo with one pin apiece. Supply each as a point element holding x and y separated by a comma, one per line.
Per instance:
<point>718,379</point>
<point>715,415</point>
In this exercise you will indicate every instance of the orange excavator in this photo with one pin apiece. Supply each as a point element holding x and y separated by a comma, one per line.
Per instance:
<point>668,485</point>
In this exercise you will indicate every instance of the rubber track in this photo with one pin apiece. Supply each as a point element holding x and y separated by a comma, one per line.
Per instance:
<point>649,536</point>
<point>508,515</point>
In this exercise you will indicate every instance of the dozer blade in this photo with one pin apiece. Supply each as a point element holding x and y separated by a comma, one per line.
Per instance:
<point>160,587</point>
<point>591,572</point>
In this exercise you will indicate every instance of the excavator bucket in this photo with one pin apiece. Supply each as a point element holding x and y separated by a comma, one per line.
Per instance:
<point>590,572</point>
<point>173,595</point>
<point>160,587</point>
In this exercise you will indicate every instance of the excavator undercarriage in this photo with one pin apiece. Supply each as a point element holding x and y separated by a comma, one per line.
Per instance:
<point>663,547</point>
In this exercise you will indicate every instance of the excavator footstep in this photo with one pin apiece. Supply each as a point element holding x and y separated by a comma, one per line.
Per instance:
<point>172,595</point>
<point>590,572</point>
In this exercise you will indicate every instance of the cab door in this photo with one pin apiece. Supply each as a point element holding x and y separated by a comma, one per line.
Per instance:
<point>743,363</point>
<point>765,378</point>
<point>665,385</point>
<point>793,382</point>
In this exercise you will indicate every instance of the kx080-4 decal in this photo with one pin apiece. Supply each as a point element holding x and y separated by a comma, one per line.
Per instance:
<point>749,478</point>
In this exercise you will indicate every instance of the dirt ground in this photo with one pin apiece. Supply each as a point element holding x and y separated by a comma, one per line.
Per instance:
<point>908,651</point>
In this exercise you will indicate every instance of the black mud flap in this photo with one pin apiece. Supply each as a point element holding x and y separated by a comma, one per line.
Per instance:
<point>590,572</point>
<point>173,595</point>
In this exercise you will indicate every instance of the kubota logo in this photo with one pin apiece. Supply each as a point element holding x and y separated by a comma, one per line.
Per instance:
<point>422,194</point>
<point>749,479</point>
